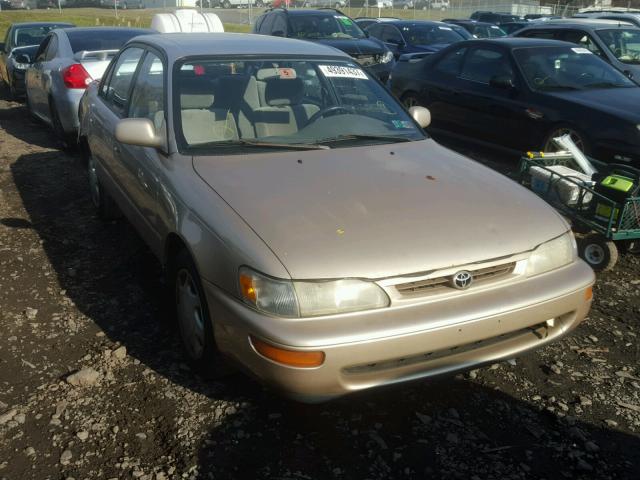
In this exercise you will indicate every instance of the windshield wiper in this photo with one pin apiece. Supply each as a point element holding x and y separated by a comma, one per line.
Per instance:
<point>605,85</point>
<point>252,143</point>
<point>558,87</point>
<point>357,136</point>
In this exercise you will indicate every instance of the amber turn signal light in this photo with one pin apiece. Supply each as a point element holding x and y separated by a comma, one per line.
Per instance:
<point>247,288</point>
<point>588,294</point>
<point>291,358</point>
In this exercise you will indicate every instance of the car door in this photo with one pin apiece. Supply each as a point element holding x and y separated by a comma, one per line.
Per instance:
<point>46,75</point>
<point>110,107</point>
<point>143,165</point>
<point>493,112</point>
<point>35,93</point>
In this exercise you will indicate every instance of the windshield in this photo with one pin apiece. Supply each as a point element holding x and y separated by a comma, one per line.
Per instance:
<point>430,34</point>
<point>488,31</point>
<point>567,68</point>
<point>324,26</point>
<point>227,105</point>
<point>92,41</point>
<point>624,44</point>
<point>33,35</point>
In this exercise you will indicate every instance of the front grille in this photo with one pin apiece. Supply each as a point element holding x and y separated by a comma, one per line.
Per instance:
<point>480,276</point>
<point>367,60</point>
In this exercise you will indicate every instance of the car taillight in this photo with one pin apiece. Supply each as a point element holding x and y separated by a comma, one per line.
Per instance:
<point>75,76</point>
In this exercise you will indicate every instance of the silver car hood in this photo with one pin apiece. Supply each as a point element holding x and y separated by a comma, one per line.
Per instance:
<point>379,211</point>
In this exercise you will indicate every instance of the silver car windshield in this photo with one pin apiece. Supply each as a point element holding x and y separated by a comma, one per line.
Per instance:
<point>247,103</point>
<point>624,44</point>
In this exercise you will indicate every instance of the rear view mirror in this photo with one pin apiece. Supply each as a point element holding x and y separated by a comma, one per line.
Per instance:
<point>421,115</point>
<point>23,58</point>
<point>139,132</point>
<point>503,82</point>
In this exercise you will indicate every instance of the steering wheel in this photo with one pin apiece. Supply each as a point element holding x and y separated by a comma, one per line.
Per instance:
<point>326,111</point>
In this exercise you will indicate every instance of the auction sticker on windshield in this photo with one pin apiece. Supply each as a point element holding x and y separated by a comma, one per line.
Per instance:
<point>581,50</point>
<point>344,72</point>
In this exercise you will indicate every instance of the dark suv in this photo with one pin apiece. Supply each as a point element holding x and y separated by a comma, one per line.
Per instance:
<point>330,27</point>
<point>494,17</point>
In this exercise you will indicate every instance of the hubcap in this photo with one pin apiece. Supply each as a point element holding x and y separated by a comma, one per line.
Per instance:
<point>551,146</point>
<point>94,185</point>
<point>594,254</point>
<point>190,314</point>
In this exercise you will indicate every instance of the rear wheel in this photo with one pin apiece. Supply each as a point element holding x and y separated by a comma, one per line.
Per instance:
<point>194,322</point>
<point>106,206</point>
<point>599,252</point>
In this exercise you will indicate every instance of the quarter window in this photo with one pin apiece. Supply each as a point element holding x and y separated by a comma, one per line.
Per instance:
<point>117,90</point>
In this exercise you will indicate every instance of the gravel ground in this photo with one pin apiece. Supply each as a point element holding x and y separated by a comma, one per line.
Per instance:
<point>93,384</point>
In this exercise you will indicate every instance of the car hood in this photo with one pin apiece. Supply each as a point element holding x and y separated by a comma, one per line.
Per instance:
<point>615,101</point>
<point>355,46</point>
<point>379,211</point>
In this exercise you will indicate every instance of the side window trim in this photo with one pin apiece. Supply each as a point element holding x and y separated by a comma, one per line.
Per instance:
<point>155,53</point>
<point>467,55</point>
<point>121,111</point>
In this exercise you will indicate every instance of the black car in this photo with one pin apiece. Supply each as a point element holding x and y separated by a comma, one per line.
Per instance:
<point>614,42</point>
<point>330,27</point>
<point>520,93</point>
<point>478,29</point>
<point>21,35</point>
<point>414,36</point>
<point>494,17</point>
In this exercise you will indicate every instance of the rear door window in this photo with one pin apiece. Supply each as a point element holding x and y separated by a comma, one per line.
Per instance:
<point>119,86</point>
<point>482,64</point>
<point>451,63</point>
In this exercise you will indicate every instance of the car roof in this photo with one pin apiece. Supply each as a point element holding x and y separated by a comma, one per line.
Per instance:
<point>82,30</point>
<point>593,23</point>
<point>41,24</point>
<point>516,42</point>
<point>469,22</point>
<point>178,45</point>
<point>403,23</point>
<point>308,11</point>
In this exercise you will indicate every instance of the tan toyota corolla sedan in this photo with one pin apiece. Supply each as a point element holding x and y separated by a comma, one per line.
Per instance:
<point>311,231</point>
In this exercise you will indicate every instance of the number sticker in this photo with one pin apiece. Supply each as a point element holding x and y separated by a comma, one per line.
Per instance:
<point>344,72</point>
<point>582,50</point>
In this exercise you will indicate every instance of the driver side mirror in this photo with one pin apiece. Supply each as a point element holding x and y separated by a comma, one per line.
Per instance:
<point>139,132</point>
<point>421,115</point>
<point>503,82</point>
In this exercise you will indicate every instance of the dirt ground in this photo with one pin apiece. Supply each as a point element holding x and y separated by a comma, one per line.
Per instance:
<point>77,293</point>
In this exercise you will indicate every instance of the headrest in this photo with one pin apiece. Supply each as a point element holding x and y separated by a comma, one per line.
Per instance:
<point>193,101</point>
<point>279,92</point>
<point>268,73</point>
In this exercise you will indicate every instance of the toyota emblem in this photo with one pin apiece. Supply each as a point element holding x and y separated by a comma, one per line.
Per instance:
<point>462,280</point>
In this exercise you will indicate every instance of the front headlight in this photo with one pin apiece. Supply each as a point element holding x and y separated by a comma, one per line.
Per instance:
<point>553,254</point>
<point>387,57</point>
<point>20,66</point>
<point>638,127</point>
<point>287,298</point>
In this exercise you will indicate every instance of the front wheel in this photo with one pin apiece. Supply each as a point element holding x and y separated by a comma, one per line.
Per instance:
<point>600,253</point>
<point>410,100</point>
<point>578,138</point>
<point>194,322</point>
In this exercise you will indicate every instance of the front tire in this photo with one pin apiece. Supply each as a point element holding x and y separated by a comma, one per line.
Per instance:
<point>193,319</point>
<point>600,253</point>
<point>578,138</point>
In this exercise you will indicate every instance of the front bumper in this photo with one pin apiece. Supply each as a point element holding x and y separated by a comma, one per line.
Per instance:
<point>392,345</point>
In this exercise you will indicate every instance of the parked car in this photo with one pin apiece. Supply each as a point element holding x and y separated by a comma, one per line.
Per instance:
<point>66,62</point>
<point>512,27</point>
<point>617,44</point>
<point>364,22</point>
<point>275,178</point>
<point>17,64</point>
<point>325,3</point>
<point>21,35</point>
<point>414,36</point>
<point>331,28</point>
<point>632,18</point>
<point>402,4</point>
<point>520,93</point>
<point>494,17</point>
<point>478,29</point>
<point>432,4</point>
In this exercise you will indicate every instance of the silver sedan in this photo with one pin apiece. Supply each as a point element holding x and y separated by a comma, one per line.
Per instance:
<point>66,62</point>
